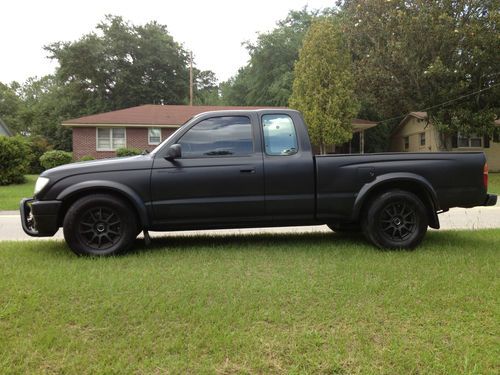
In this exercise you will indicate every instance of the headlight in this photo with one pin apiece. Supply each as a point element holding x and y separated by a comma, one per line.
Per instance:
<point>40,184</point>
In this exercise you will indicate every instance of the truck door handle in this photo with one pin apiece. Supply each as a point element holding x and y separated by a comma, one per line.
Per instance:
<point>247,171</point>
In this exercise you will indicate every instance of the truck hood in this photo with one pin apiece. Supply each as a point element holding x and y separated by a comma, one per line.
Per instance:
<point>97,166</point>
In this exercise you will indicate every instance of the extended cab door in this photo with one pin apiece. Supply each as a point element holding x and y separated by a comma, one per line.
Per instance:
<point>219,177</point>
<point>289,167</point>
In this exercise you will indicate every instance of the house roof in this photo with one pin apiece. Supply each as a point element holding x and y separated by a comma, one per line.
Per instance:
<point>149,114</point>
<point>417,114</point>
<point>166,116</point>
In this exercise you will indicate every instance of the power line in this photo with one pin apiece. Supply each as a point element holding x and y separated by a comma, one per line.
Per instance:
<point>444,103</point>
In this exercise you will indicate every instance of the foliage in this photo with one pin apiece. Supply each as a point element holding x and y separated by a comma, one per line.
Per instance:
<point>267,78</point>
<point>124,151</point>
<point>10,104</point>
<point>86,158</point>
<point>323,88</point>
<point>125,65</point>
<point>11,195</point>
<point>38,146</point>
<point>411,55</point>
<point>306,303</point>
<point>14,161</point>
<point>205,88</point>
<point>54,158</point>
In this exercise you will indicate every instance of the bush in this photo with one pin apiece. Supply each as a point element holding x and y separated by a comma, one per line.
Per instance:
<point>86,158</point>
<point>127,152</point>
<point>38,146</point>
<point>14,159</point>
<point>54,158</point>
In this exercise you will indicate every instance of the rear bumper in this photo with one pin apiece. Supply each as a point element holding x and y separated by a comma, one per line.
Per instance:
<point>39,218</point>
<point>491,200</point>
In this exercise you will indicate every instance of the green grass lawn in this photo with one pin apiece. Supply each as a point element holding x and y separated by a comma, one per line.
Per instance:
<point>313,303</point>
<point>494,183</point>
<point>10,195</point>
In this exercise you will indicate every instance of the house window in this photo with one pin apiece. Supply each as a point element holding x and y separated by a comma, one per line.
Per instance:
<point>472,141</point>
<point>154,136</point>
<point>110,139</point>
<point>407,142</point>
<point>422,139</point>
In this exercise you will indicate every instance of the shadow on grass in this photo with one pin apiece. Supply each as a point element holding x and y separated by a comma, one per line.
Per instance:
<point>280,242</point>
<point>434,241</point>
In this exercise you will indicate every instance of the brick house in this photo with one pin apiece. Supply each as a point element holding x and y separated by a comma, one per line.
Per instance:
<point>142,127</point>
<point>146,126</point>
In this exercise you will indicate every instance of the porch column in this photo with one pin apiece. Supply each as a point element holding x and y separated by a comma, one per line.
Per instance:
<point>362,142</point>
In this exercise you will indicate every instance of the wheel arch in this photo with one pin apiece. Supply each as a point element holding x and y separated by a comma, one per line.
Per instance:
<point>72,193</point>
<point>413,183</point>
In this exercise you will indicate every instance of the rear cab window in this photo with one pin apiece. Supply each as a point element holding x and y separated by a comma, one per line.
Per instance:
<point>280,137</point>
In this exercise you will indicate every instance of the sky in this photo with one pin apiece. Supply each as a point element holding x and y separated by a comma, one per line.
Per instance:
<point>214,29</point>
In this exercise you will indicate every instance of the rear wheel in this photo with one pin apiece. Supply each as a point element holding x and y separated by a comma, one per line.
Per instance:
<point>395,219</point>
<point>100,224</point>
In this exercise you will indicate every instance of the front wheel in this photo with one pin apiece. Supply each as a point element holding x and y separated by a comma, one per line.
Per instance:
<point>100,224</point>
<point>395,219</point>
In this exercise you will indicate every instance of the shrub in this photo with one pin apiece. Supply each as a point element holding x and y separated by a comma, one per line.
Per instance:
<point>127,152</point>
<point>14,159</point>
<point>38,146</point>
<point>86,158</point>
<point>54,158</point>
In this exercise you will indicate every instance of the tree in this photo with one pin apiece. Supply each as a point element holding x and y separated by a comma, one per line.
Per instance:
<point>323,88</point>
<point>268,77</point>
<point>123,65</point>
<point>10,105</point>
<point>206,89</point>
<point>414,54</point>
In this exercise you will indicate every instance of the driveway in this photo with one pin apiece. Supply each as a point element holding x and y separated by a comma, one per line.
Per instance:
<point>456,218</point>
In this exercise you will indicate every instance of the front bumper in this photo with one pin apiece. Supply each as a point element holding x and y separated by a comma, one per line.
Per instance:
<point>39,218</point>
<point>491,200</point>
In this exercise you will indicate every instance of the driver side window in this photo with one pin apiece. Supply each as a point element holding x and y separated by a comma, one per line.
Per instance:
<point>218,137</point>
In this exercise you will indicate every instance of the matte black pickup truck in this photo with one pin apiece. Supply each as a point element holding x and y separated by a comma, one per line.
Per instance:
<point>253,168</point>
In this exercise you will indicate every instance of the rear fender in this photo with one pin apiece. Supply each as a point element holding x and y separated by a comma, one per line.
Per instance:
<point>404,181</point>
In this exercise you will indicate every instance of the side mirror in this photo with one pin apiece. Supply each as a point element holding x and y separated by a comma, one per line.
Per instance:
<point>174,152</point>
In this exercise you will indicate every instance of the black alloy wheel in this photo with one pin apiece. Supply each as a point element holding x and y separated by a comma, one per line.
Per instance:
<point>398,220</point>
<point>100,228</point>
<point>100,224</point>
<point>395,219</point>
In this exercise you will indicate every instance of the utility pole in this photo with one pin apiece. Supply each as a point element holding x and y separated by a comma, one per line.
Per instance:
<point>191,78</point>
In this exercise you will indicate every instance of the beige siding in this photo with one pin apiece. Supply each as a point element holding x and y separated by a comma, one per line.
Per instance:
<point>412,129</point>
<point>493,156</point>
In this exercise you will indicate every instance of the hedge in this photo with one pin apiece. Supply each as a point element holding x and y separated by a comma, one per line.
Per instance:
<point>86,158</point>
<point>127,152</point>
<point>54,158</point>
<point>14,159</point>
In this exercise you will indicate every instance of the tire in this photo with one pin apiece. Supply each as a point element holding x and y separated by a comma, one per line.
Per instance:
<point>345,227</point>
<point>100,225</point>
<point>395,219</point>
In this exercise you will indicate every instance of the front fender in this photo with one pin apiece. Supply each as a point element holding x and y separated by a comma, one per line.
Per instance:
<point>392,180</point>
<point>121,189</point>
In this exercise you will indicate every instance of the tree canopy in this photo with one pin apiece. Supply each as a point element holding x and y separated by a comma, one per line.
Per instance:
<point>323,88</point>
<point>268,77</point>
<point>414,54</point>
<point>118,65</point>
